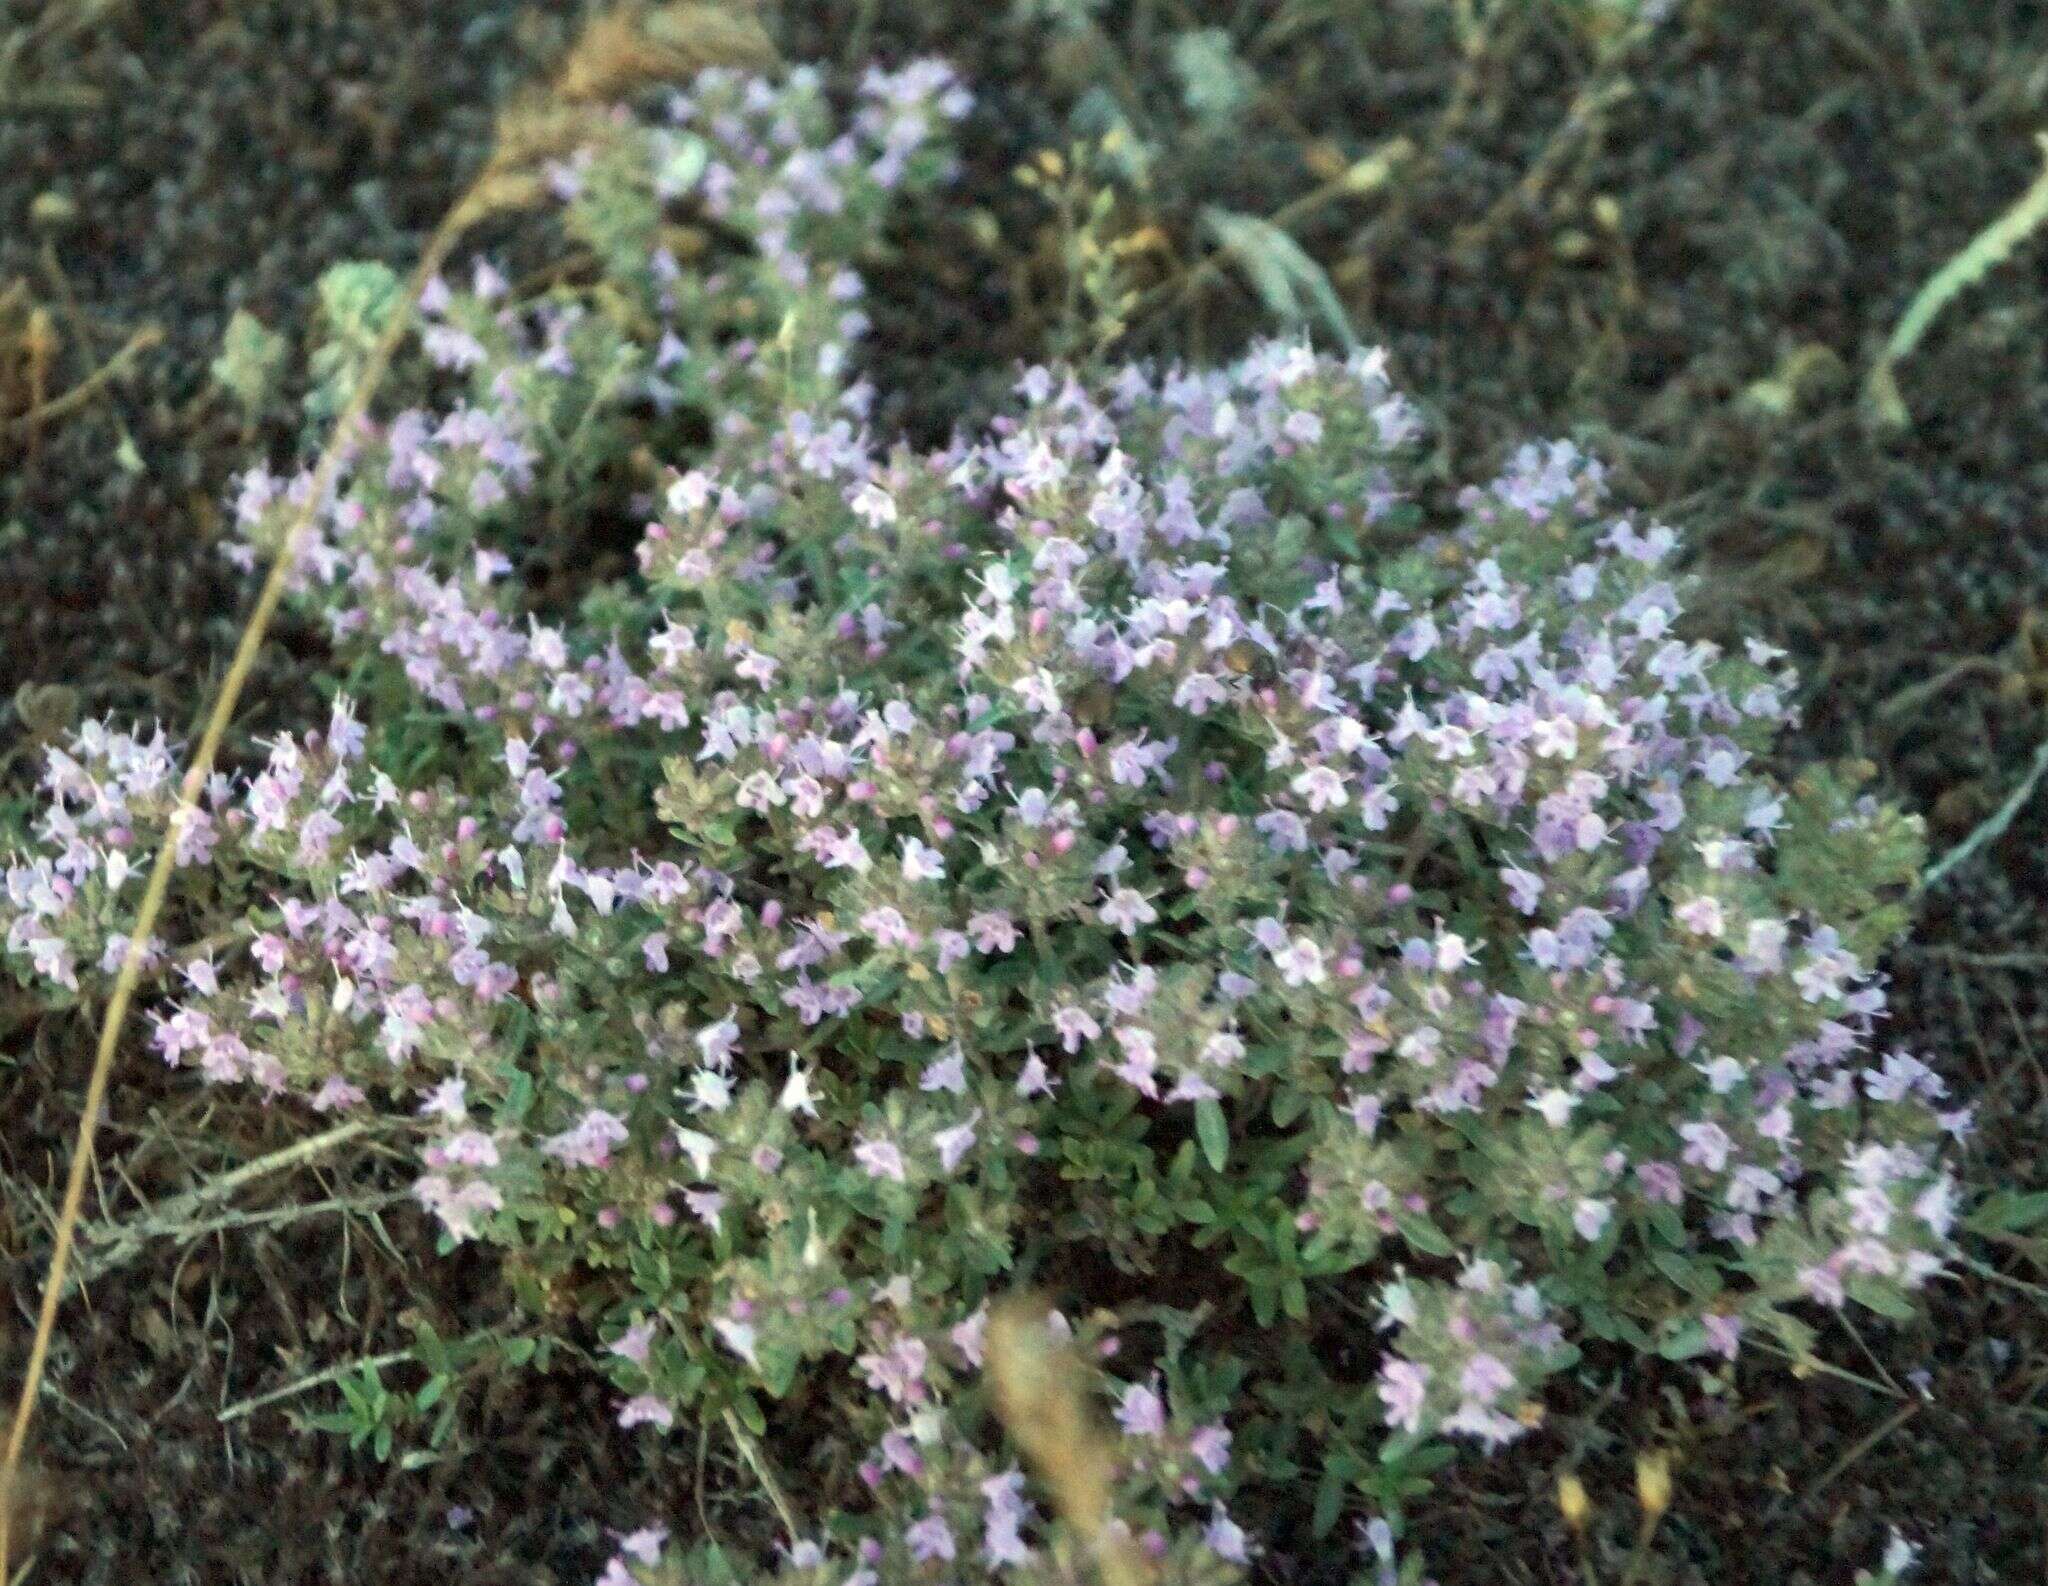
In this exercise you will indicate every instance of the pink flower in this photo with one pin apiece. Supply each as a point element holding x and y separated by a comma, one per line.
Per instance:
<point>1724,1333</point>
<point>633,1343</point>
<point>1403,1385</point>
<point>589,1144</point>
<point>897,1372</point>
<point>1485,1378</point>
<point>1210,1446</point>
<point>646,1410</point>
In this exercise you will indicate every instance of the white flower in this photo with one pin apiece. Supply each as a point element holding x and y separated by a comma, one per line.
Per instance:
<point>1127,910</point>
<point>956,1142</point>
<point>710,1091</point>
<point>739,1337</point>
<point>1702,916</point>
<point>922,862</point>
<point>873,505</point>
<point>1453,952</point>
<point>1300,963</point>
<point>1555,1105</point>
<point>717,1041</point>
<point>797,1095</point>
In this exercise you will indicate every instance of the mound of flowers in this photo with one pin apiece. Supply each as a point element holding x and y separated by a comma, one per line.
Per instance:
<point>1350,944</point>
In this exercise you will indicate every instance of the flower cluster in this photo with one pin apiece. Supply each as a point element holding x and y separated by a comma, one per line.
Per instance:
<point>1146,844</point>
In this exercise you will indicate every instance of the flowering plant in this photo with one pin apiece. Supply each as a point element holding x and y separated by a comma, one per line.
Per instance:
<point>1152,847</point>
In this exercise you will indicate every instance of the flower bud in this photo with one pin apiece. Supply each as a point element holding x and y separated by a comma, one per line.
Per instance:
<point>1572,1502</point>
<point>1653,1482</point>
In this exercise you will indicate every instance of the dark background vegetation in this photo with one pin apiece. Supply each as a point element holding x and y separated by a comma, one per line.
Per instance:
<point>1616,243</point>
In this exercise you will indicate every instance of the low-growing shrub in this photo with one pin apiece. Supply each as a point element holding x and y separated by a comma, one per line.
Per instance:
<point>1347,943</point>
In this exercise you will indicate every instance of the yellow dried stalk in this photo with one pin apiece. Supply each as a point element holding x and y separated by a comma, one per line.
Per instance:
<point>1041,1398</point>
<point>628,49</point>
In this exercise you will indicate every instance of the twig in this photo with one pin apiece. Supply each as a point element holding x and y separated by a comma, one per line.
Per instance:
<point>1914,694</point>
<point>1872,59</point>
<point>1828,1368</point>
<point>1585,115</point>
<point>1987,250</point>
<point>130,1245</point>
<point>1955,955</point>
<point>1985,1270</point>
<point>319,1379</point>
<point>758,1463</point>
<point>1993,828</point>
<point>1828,1477</point>
<point>33,420</point>
<point>1041,1400</point>
<point>173,1213</point>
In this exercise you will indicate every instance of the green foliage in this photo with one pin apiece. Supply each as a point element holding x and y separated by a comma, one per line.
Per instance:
<point>251,359</point>
<point>1215,85</point>
<point>357,301</point>
<point>1293,286</point>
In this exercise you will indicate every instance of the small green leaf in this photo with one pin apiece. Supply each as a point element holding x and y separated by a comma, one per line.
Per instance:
<point>1288,1105</point>
<point>1280,271</point>
<point>1330,1497</point>
<point>1885,1300</point>
<point>1683,1342</point>
<point>1213,1130</point>
<point>1694,1277</point>
<point>1423,1234</point>
<point>684,164</point>
<point>249,362</point>
<point>2009,1212</point>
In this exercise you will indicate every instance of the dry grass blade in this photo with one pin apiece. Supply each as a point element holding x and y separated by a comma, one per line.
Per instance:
<point>631,48</point>
<point>618,55</point>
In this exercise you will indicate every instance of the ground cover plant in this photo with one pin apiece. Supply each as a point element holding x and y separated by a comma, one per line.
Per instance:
<point>1347,761</point>
<point>612,774</point>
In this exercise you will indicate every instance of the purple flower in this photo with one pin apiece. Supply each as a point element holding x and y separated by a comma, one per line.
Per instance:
<point>882,1159</point>
<point>1141,1413</point>
<point>930,1538</point>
